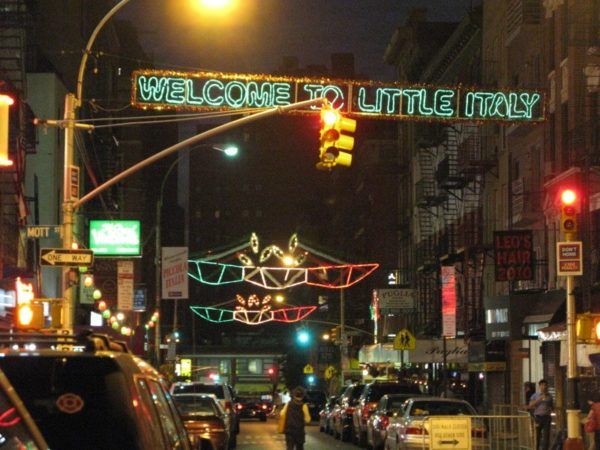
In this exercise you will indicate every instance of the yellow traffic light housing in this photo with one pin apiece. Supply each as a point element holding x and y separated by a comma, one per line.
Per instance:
<point>333,140</point>
<point>588,327</point>
<point>568,216</point>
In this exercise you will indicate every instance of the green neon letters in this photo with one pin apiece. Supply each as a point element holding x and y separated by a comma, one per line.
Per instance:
<point>155,89</point>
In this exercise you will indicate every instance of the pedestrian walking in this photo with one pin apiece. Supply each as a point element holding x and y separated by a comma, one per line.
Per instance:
<point>292,420</point>
<point>592,424</point>
<point>542,405</point>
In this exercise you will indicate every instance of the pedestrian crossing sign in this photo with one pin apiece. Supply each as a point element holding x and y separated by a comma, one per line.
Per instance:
<point>404,340</point>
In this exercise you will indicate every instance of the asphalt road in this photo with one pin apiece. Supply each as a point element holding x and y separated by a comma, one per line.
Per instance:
<point>264,436</point>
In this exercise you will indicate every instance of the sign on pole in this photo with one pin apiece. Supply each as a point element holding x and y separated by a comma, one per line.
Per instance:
<point>308,369</point>
<point>174,272</point>
<point>125,285</point>
<point>404,340</point>
<point>115,237</point>
<point>73,188</point>
<point>569,258</point>
<point>43,231</point>
<point>60,257</point>
<point>395,301</point>
<point>449,433</point>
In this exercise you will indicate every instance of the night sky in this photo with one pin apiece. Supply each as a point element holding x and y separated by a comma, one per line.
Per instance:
<point>255,35</point>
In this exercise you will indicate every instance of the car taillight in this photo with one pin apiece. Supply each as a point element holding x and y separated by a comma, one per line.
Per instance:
<point>416,430</point>
<point>383,423</point>
<point>264,406</point>
<point>239,406</point>
<point>367,409</point>
<point>349,410</point>
<point>227,406</point>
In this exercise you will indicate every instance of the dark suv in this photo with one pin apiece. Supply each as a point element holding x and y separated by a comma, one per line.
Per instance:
<point>367,403</point>
<point>89,392</point>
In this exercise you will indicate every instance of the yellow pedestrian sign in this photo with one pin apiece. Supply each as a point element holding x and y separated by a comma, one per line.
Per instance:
<point>329,372</point>
<point>309,369</point>
<point>404,340</point>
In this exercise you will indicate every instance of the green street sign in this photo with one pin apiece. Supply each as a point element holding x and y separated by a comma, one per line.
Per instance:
<point>115,237</point>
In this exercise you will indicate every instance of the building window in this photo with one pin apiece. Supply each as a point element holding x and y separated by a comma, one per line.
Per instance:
<point>255,366</point>
<point>498,315</point>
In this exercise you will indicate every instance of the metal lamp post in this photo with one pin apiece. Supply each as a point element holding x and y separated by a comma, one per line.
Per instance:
<point>230,151</point>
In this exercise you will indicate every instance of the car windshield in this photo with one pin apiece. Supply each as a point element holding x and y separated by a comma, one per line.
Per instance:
<point>199,388</point>
<point>196,405</point>
<point>440,408</point>
<point>354,393</point>
<point>77,402</point>
<point>377,391</point>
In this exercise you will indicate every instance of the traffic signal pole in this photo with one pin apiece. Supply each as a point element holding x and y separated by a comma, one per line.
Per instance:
<point>569,226</point>
<point>71,205</point>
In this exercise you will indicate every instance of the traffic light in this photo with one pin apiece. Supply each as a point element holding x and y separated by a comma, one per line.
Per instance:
<point>568,206</point>
<point>5,102</point>
<point>29,314</point>
<point>303,337</point>
<point>333,140</point>
<point>335,335</point>
<point>588,327</point>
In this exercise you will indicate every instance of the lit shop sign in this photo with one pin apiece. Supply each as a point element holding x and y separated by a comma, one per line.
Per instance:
<point>206,90</point>
<point>115,237</point>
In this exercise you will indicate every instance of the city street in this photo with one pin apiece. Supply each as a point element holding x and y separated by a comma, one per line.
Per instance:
<point>264,436</point>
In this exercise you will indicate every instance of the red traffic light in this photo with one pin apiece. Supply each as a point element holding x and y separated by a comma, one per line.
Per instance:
<point>568,197</point>
<point>271,371</point>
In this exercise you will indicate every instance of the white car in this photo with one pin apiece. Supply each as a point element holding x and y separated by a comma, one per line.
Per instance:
<point>410,430</point>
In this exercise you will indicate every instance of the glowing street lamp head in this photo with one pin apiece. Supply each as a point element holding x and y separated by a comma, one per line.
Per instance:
<point>288,260</point>
<point>231,151</point>
<point>568,197</point>
<point>279,298</point>
<point>215,4</point>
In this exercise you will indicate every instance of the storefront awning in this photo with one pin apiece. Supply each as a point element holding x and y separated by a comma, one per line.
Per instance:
<point>538,318</point>
<point>556,332</point>
<point>426,351</point>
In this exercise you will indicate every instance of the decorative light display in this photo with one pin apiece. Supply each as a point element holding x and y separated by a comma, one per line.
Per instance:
<point>278,278</point>
<point>213,90</point>
<point>253,311</point>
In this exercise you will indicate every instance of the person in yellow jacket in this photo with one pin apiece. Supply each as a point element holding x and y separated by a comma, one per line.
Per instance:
<point>294,416</point>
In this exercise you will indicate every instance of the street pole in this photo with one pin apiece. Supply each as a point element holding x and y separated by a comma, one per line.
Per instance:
<point>573,441</point>
<point>344,346</point>
<point>72,103</point>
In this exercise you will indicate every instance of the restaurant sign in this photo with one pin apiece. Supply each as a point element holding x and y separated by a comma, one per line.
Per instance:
<point>158,89</point>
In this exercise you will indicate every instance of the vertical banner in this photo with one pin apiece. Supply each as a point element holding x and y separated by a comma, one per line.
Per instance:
<point>448,301</point>
<point>125,285</point>
<point>174,272</point>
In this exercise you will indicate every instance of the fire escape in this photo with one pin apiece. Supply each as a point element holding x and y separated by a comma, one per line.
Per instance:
<point>429,201</point>
<point>15,26</point>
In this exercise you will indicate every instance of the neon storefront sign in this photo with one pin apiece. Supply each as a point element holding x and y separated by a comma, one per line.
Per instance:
<point>208,90</point>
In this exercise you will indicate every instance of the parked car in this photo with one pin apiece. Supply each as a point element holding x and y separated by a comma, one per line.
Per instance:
<point>410,430</point>
<point>21,431</point>
<point>204,418</point>
<point>389,406</point>
<point>325,415</point>
<point>342,414</point>
<point>222,391</point>
<point>315,401</point>
<point>99,396</point>
<point>252,408</point>
<point>367,403</point>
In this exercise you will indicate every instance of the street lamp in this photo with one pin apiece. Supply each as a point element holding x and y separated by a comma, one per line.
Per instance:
<point>230,151</point>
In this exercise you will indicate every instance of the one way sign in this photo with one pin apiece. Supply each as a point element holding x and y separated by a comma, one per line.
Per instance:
<point>66,257</point>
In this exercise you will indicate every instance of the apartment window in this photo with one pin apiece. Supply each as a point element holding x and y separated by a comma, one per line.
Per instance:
<point>498,315</point>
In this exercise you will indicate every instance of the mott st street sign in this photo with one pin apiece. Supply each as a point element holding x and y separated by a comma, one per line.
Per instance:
<point>224,91</point>
<point>66,257</point>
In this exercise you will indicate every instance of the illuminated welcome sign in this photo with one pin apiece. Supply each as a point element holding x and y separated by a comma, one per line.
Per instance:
<point>206,90</point>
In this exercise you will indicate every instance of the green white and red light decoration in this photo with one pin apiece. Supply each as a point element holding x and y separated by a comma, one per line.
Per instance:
<point>253,311</point>
<point>326,274</point>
